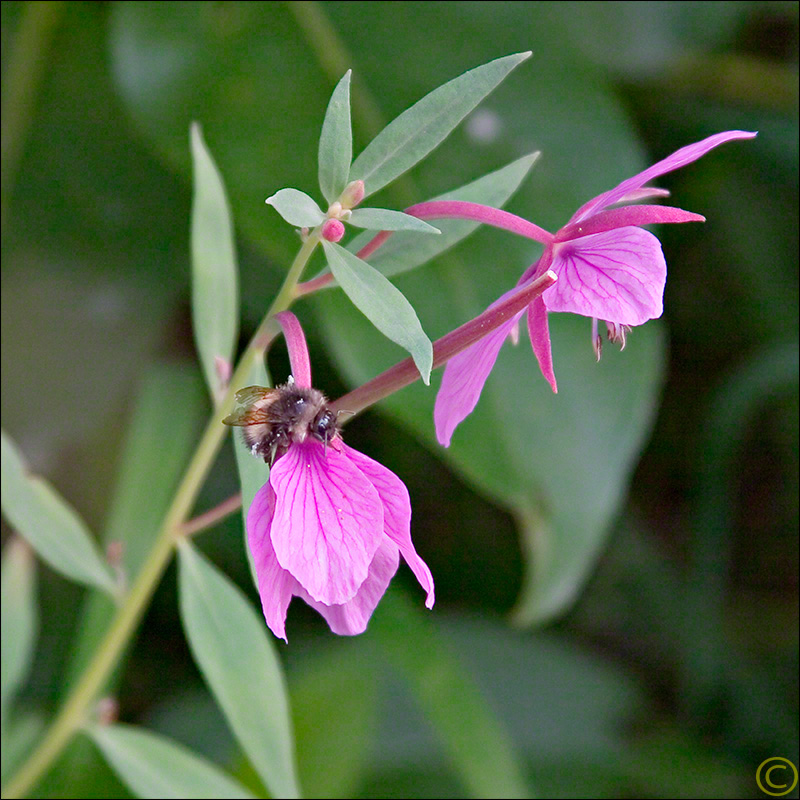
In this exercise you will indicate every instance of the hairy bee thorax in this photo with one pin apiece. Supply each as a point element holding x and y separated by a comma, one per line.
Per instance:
<point>295,414</point>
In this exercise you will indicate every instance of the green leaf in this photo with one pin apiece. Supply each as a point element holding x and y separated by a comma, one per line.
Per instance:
<point>335,749</point>
<point>768,372</point>
<point>151,765</point>
<point>478,744</point>
<point>382,219</point>
<point>600,424</point>
<point>336,142</point>
<point>19,620</point>
<point>231,647</point>
<point>57,534</point>
<point>296,207</point>
<point>215,294</point>
<point>418,130</point>
<point>403,251</point>
<point>384,305</point>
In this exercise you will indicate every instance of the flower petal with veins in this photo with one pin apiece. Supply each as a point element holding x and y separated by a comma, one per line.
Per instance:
<point>351,618</point>
<point>396,516</point>
<point>275,585</point>
<point>329,526</point>
<point>607,267</point>
<point>463,379</point>
<point>328,521</point>
<point>618,275</point>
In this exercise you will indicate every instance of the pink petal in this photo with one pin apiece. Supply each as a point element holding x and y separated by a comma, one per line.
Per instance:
<point>624,217</point>
<point>643,194</point>
<point>396,515</point>
<point>297,347</point>
<point>617,276</point>
<point>351,618</point>
<point>680,158</point>
<point>328,521</point>
<point>275,584</point>
<point>539,333</point>
<point>464,377</point>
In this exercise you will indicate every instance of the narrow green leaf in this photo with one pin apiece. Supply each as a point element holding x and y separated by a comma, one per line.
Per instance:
<point>53,529</point>
<point>382,219</point>
<point>403,251</point>
<point>476,741</point>
<point>383,305</point>
<point>19,620</point>
<point>231,647</point>
<point>151,765</point>
<point>215,293</point>
<point>418,130</point>
<point>336,142</point>
<point>296,207</point>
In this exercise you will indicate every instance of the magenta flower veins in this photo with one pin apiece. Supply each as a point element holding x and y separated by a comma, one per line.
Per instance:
<point>331,524</point>
<point>608,269</point>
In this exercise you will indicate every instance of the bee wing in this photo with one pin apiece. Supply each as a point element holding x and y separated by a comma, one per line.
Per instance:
<point>252,406</point>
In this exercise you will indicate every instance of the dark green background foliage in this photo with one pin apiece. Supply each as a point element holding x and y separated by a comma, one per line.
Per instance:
<point>673,671</point>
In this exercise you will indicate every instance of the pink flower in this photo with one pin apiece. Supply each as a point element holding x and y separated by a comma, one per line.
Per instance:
<point>608,268</point>
<point>329,526</point>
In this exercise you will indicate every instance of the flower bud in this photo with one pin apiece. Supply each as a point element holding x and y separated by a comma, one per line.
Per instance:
<point>352,195</point>
<point>332,230</point>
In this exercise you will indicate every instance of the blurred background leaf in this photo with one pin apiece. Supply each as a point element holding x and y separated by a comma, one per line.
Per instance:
<point>153,766</point>
<point>48,524</point>
<point>239,662</point>
<point>95,289</point>
<point>215,274</point>
<point>20,621</point>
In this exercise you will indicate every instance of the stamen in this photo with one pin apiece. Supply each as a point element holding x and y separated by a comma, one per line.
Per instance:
<point>597,341</point>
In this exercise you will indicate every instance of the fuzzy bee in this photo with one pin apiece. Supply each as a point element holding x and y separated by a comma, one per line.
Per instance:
<point>273,419</point>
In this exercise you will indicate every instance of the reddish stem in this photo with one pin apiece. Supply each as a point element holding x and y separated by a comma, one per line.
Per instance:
<point>212,516</point>
<point>444,349</point>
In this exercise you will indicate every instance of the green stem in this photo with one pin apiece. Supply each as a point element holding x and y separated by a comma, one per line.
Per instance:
<point>74,711</point>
